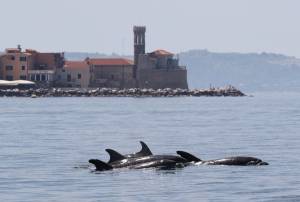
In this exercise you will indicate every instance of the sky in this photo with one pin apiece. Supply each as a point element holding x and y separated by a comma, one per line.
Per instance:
<point>105,26</point>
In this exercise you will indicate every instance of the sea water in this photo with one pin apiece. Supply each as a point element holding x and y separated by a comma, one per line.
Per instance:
<point>45,145</point>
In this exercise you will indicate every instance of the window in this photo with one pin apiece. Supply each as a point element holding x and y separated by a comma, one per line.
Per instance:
<point>169,62</point>
<point>79,76</point>
<point>12,57</point>
<point>9,78</point>
<point>9,67</point>
<point>23,58</point>
<point>43,77</point>
<point>23,77</point>
<point>69,78</point>
<point>23,67</point>
<point>32,77</point>
<point>38,77</point>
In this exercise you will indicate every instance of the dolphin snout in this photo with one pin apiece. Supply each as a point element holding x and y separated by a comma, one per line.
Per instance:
<point>263,163</point>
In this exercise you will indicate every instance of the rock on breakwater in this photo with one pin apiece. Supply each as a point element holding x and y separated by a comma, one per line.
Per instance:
<point>111,92</point>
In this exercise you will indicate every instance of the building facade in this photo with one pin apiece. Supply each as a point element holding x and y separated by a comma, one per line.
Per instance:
<point>158,69</point>
<point>16,64</point>
<point>44,67</point>
<point>74,74</point>
<point>111,72</point>
<point>139,45</point>
<point>43,78</point>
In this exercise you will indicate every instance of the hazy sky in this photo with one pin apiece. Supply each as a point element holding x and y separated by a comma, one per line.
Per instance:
<point>174,25</point>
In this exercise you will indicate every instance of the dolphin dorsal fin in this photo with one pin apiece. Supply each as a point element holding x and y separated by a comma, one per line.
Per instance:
<point>100,165</point>
<point>188,156</point>
<point>114,156</point>
<point>145,151</point>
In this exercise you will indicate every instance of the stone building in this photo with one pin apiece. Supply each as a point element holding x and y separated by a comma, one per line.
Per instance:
<point>158,69</point>
<point>74,74</point>
<point>44,67</point>
<point>111,72</point>
<point>16,64</point>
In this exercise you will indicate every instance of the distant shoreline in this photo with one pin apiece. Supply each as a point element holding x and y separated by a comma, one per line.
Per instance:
<point>110,92</point>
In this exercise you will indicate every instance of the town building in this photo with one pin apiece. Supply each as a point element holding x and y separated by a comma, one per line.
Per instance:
<point>44,67</point>
<point>157,69</point>
<point>111,72</point>
<point>41,68</point>
<point>74,74</point>
<point>14,64</point>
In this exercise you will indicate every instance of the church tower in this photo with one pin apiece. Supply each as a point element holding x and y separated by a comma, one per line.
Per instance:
<point>139,45</point>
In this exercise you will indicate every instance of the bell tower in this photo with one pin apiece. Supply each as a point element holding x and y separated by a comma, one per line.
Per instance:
<point>139,45</point>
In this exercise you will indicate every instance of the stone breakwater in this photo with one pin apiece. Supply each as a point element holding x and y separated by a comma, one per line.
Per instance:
<point>109,92</point>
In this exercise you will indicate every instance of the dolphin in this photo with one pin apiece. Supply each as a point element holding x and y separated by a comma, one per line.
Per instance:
<point>118,160</point>
<point>163,163</point>
<point>145,151</point>
<point>230,161</point>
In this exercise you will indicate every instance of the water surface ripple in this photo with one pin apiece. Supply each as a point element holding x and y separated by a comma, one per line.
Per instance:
<point>45,144</point>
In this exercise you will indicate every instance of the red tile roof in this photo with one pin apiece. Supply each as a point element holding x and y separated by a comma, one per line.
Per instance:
<point>12,50</point>
<point>76,65</point>
<point>161,52</point>
<point>28,50</point>
<point>110,61</point>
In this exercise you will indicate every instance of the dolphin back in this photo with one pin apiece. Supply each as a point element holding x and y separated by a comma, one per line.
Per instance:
<point>189,157</point>
<point>237,161</point>
<point>100,165</point>
<point>161,164</point>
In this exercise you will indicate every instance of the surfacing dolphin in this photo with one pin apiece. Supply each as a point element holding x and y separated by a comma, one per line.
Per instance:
<point>118,160</point>
<point>145,151</point>
<point>230,161</point>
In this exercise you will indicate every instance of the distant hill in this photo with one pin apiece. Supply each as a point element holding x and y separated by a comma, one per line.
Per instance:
<point>249,72</point>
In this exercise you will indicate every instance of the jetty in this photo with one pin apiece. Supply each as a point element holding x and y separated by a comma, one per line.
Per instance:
<point>112,92</point>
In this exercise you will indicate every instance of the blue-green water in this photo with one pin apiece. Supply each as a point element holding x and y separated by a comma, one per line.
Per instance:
<point>45,144</point>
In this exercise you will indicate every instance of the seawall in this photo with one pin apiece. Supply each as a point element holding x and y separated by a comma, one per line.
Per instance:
<point>109,92</point>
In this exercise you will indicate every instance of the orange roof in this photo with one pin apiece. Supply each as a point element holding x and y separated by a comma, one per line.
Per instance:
<point>12,50</point>
<point>110,61</point>
<point>30,50</point>
<point>76,65</point>
<point>161,52</point>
